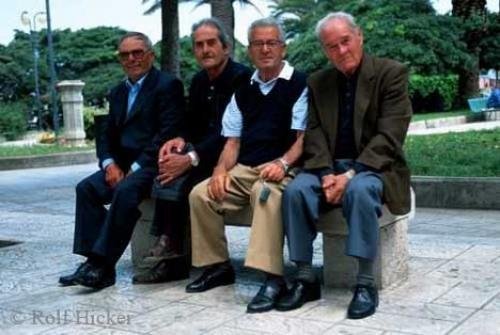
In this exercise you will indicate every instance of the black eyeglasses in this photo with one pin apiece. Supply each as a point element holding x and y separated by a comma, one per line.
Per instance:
<point>258,44</point>
<point>136,54</point>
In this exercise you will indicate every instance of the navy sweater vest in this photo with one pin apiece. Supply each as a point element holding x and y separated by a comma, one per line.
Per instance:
<point>266,133</point>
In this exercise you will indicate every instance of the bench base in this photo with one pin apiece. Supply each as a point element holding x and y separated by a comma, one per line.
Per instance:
<point>339,270</point>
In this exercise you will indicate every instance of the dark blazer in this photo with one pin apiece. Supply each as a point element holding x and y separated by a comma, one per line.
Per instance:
<point>381,117</point>
<point>155,117</point>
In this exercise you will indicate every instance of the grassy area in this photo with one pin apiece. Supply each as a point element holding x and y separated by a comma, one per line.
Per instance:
<point>439,115</point>
<point>38,149</point>
<point>470,154</point>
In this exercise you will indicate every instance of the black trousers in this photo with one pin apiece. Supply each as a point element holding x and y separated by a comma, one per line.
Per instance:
<point>103,232</point>
<point>172,216</point>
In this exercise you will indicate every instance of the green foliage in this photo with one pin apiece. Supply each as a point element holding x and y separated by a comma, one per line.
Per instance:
<point>305,53</point>
<point>88,120</point>
<point>86,54</point>
<point>406,30</point>
<point>12,120</point>
<point>89,55</point>
<point>489,57</point>
<point>469,154</point>
<point>189,67</point>
<point>433,93</point>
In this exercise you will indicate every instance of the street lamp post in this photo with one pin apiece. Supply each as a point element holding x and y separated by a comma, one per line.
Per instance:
<point>52,70</point>
<point>36,55</point>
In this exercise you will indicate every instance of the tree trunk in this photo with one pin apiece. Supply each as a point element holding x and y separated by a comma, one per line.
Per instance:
<point>170,47</point>
<point>223,10</point>
<point>468,82</point>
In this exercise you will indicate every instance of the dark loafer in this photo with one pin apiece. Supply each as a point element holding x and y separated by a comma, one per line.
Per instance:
<point>216,275</point>
<point>98,277</point>
<point>165,271</point>
<point>70,280</point>
<point>300,293</point>
<point>268,295</point>
<point>363,303</point>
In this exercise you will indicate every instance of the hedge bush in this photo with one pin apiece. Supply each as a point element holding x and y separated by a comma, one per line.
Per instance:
<point>433,93</point>
<point>88,120</point>
<point>13,118</point>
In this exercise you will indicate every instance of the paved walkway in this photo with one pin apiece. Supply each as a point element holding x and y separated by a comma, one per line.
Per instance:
<point>454,285</point>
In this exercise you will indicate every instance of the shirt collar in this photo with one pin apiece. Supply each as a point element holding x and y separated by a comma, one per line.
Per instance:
<point>286,73</point>
<point>137,84</point>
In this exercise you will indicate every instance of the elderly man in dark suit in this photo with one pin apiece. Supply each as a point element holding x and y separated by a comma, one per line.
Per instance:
<point>359,113</point>
<point>145,111</point>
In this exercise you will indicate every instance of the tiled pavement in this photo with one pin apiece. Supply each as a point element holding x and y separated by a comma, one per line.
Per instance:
<point>454,285</point>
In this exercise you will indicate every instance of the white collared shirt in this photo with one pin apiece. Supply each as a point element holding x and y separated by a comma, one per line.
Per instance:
<point>232,121</point>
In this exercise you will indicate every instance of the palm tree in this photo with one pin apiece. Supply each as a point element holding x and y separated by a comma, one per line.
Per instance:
<point>473,15</point>
<point>170,47</point>
<point>224,11</point>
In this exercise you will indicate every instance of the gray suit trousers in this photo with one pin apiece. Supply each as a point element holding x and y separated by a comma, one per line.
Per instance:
<point>303,201</point>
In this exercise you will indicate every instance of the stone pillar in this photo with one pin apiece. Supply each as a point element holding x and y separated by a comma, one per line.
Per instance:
<point>72,105</point>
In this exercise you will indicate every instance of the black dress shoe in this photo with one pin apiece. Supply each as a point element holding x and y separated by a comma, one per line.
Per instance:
<point>268,295</point>
<point>363,303</point>
<point>70,280</point>
<point>165,271</point>
<point>300,293</point>
<point>98,277</point>
<point>216,275</point>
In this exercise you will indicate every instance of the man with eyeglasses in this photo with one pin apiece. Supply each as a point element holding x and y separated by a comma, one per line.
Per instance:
<point>359,112</point>
<point>263,124</point>
<point>186,160</point>
<point>145,111</point>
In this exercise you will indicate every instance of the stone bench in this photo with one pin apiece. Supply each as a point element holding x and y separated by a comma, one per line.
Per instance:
<point>339,270</point>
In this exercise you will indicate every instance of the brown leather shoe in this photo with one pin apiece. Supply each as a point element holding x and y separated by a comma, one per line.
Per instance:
<point>164,271</point>
<point>163,248</point>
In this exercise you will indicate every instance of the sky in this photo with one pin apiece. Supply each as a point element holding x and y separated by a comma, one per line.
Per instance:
<point>128,14</point>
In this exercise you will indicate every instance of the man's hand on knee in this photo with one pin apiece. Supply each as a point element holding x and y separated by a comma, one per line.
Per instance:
<point>114,174</point>
<point>218,185</point>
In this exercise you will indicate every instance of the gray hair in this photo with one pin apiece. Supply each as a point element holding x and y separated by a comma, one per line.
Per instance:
<point>215,23</point>
<point>346,17</point>
<point>267,22</point>
<point>140,36</point>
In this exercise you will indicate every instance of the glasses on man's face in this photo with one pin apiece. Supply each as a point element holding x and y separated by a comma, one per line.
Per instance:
<point>259,44</point>
<point>136,54</point>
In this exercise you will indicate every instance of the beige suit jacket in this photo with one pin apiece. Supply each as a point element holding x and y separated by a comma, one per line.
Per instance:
<point>381,117</point>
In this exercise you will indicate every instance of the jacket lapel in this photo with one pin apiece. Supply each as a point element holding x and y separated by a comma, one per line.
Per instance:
<point>121,104</point>
<point>363,92</point>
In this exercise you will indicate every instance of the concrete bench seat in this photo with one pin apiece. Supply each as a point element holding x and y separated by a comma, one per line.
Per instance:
<point>339,270</point>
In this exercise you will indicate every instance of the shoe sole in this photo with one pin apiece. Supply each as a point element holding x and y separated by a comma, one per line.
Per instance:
<point>255,311</point>
<point>227,283</point>
<point>361,316</point>
<point>308,299</point>
<point>100,286</point>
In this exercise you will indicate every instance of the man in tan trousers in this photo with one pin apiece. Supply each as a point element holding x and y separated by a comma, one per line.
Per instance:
<point>263,124</point>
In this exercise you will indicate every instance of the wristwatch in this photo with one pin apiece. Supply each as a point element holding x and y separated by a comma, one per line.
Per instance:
<point>284,163</point>
<point>350,174</point>
<point>195,160</point>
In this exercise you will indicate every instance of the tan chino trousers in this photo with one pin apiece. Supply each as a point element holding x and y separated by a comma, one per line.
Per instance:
<point>209,243</point>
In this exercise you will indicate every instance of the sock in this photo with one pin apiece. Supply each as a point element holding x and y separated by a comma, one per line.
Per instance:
<point>366,272</point>
<point>305,272</point>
